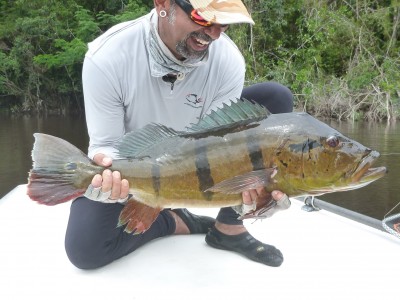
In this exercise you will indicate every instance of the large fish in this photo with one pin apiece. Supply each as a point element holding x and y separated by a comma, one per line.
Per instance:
<point>235,148</point>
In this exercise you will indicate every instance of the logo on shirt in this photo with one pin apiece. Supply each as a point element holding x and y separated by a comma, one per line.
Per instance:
<point>194,101</point>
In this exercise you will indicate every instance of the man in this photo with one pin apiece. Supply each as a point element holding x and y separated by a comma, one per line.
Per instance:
<point>172,67</point>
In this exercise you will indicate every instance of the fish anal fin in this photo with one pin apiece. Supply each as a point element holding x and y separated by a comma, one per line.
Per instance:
<point>244,182</point>
<point>137,216</point>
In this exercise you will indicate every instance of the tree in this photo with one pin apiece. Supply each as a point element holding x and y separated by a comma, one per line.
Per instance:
<point>42,47</point>
<point>340,58</point>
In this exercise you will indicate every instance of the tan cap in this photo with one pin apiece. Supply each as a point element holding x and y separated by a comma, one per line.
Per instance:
<point>222,11</point>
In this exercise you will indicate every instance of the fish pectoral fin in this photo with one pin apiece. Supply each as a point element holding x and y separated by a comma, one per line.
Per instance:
<point>137,216</point>
<point>244,182</point>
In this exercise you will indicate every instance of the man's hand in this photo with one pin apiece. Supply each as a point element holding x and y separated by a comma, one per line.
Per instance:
<point>108,187</point>
<point>258,203</point>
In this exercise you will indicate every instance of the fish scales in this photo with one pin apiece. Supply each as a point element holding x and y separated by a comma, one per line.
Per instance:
<point>197,165</point>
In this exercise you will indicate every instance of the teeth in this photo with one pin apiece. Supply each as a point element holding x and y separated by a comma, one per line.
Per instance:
<point>202,42</point>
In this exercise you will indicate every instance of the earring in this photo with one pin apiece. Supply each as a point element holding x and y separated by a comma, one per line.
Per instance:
<point>163,13</point>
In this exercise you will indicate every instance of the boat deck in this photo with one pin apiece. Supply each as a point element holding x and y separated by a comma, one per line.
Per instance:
<point>326,257</point>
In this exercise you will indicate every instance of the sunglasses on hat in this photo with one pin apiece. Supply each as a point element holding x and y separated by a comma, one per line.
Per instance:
<point>192,13</point>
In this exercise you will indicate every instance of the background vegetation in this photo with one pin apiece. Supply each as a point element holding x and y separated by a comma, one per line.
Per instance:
<point>340,58</point>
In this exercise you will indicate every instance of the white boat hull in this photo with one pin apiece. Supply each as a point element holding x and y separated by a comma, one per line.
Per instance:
<point>326,257</point>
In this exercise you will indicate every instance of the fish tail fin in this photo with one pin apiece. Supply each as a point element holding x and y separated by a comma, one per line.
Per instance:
<point>52,177</point>
<point>137,216</point>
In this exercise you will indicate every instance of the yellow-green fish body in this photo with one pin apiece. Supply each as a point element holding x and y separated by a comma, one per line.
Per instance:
<point>236,148</point>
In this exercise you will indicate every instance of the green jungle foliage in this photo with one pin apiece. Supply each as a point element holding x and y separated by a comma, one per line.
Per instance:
<point>340,58</point>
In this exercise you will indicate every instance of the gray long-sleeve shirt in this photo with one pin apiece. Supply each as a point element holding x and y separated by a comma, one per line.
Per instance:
<point>121,95</point>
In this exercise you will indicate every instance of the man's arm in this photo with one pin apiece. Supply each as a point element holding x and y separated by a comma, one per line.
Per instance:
<point>103,108</point>
<point>105,121</point>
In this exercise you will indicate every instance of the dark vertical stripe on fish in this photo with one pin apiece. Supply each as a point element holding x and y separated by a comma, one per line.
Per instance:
<point>155,175</point>
<point>203,170</point>
<point>255,153</point>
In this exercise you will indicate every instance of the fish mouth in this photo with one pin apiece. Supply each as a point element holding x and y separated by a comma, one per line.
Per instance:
<point>372,174</point>
<point>364,174</point>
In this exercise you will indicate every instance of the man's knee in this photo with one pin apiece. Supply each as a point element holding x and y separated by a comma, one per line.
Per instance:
<point>83,251</point>
<point>276,97</point>
<point>90,229</point>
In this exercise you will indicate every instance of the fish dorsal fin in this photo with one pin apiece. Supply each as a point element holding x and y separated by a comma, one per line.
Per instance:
<point>240,112</point>
<point>138,144</point>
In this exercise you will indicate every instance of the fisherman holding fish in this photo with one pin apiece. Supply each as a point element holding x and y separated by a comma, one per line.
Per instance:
<point>172,66</point>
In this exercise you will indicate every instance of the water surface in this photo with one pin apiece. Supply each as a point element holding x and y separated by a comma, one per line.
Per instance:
<point>379,197</point>
<point>375,200</point>
<point>16,140</point>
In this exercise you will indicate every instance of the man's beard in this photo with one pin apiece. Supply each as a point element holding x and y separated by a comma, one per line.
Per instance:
<point>189,53</point>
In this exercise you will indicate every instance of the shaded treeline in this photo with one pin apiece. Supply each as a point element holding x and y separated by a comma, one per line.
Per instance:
<point>340,58</point>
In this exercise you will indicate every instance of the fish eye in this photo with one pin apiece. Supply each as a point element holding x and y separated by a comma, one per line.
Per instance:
<point>333,141</point>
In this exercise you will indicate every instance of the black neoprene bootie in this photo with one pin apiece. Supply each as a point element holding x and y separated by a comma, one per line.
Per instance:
<point>246,245</point>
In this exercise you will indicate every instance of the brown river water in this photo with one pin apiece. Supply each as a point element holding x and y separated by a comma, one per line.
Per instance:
<point>375,200</point>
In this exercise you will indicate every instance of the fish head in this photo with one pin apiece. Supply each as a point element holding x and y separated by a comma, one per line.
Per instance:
<point>315,159</point>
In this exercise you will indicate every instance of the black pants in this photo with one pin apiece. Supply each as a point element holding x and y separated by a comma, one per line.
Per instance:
<point>93,240</point>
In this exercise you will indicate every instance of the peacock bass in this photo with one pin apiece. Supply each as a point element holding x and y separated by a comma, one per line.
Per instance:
<point>238,147</point>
